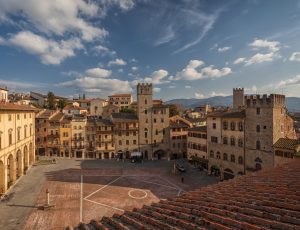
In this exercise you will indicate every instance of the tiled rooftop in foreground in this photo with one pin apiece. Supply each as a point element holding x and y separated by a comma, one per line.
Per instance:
<point>267,199</point>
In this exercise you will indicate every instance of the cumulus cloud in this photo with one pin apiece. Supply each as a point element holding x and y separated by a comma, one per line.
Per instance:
<point>102,86</point>
<point>102,50</point>
<point>239,60</point>
<point>199,95</point>
<point>292,81</point>
<point>294,57</point>
<point>134,68</point>
<point>56,17</point>
<point>188,87</point>
<point>98,72</point>
<point>117,61</point>
<point>272,46</point>
<point>193,72</point>
<point>157,77</point>
<point>224,49</point>
<point>156,90</point>
<point>50,51</point>
<point>259,58</point>
<point>212,94</point>
<point>2,40</point>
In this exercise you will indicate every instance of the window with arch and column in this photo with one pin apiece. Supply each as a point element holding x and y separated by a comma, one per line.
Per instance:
<point>146,132</point>
<point>225,157</point>
<point>211,154</point>
<point>218,156</point>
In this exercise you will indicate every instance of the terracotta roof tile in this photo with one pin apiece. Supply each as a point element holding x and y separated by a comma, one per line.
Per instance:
<point>16,107</point>
<point>268,199</point>
<point>286,143</point>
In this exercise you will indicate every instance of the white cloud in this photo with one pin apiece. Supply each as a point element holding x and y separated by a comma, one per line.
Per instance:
<point>252,89</point>
<point>294,57</point>
<point>98,72</point>
<point>188,87</point>
<point>50,51</point>
<point>117,61</point>
<point>224,49</point>
<point>120,70</point>
<point>292,81</point>
<point>134,68</point>
<point>102,86</point>
<point>156,90</point>
<point>192,71</point>
<point>212,94</point>
<point>167,36</point>
<point>56,17</point>
<point>133,60</point>
<point>239,60</point>
<point>71,73</point>
<point>272,46</point>
<point>172,87</point>
<point>259,58</point>
<point>102,50</point>
<point>199,95</point>
<point>157,77</point>
<point>2,40</point>
<point>215,73</point>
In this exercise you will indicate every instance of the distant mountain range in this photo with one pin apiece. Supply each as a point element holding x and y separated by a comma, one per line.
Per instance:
<point>292,103</point>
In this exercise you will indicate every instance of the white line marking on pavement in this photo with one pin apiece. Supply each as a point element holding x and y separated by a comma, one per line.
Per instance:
<point>81,185</point>
<point>180,189</point>
<point>103,187</point>
<point>156,184</point>
<point>105,205</point>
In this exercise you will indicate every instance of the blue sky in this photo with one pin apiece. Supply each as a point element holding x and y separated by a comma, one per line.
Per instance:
<point>187,48</point>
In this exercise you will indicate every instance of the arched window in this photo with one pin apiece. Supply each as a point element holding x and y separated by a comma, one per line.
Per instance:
<point>240,142</point>
<point>211,154</point>
<point>241,160</point>
<point>232,158</point>
<point>218,155</point>
<point>258,128</point>
<point>258,145</point>
<point>146,132</point>
<point>232,141</point>
<point>225,157</point>
<point>225,140</point>
<point>232,126</point>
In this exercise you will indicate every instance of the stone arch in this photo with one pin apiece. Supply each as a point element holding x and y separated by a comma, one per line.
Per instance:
<point>26,158</point>
<point>11,171</point>
<point>160,154</point>
<point>19,164</point>
<point>2,178</point>
<point>228,174</point>
<point>31,154</point>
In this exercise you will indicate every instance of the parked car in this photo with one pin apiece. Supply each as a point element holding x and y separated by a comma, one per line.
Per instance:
<point>180,167</point>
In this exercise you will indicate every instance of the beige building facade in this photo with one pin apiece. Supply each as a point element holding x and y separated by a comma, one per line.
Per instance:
<point>17,142</point>
<point>121,100</point>
<point>154,133</point>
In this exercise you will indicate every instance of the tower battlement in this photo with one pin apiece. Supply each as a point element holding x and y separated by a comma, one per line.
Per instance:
<point>144,88</point>
<point>272,100</point>
<point>238,98</point>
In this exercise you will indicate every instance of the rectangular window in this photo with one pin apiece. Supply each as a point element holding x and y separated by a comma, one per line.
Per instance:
<point>9,117</point>
<point>214,139</point>
<point>214,125</point>
<point>257,111</point>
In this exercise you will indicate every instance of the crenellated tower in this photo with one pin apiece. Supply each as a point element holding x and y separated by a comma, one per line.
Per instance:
<point>238,98</point>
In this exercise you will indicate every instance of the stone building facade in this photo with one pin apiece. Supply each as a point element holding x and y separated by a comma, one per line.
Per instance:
<point>65,133</point>
<point>78,124</point>
<point>153,124</point>
<point>17,142</point>
<point>197,142</point>
<point>121,100</point>
<point>99,139</point>
<point>126,133</point>
<point>178,136</point>
<point>286,150</point>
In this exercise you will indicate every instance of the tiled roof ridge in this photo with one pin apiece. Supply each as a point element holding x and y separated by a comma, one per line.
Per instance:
<point>268,199</point>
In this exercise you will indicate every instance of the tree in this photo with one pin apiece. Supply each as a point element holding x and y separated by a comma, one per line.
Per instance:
<point>50,100</point>
<point>127,110</point>
<point>173,110</point>
<point>62,103</point>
